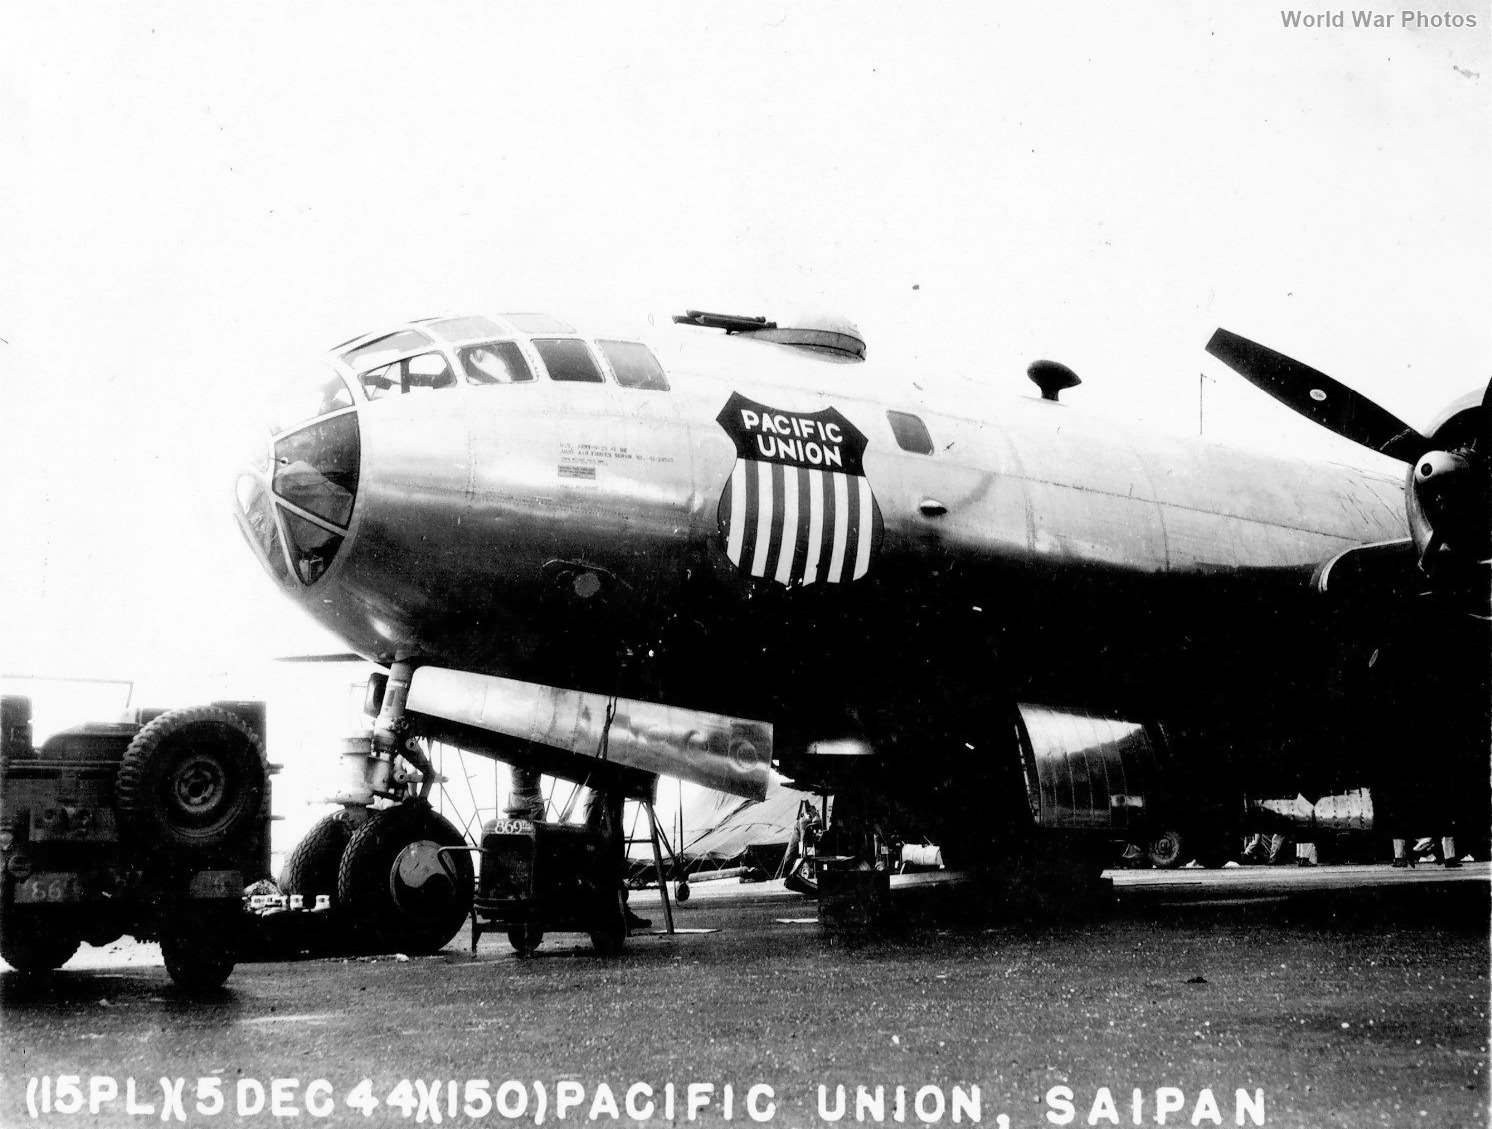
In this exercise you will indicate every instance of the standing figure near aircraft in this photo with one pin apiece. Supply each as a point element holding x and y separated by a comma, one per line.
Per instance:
<point>1448,856</point>
<point>526,794</point>
<point>603,814</point>
<point>796,868</point>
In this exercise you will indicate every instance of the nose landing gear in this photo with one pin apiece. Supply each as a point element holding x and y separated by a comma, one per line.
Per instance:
<point>397,887</point>
<point>398,878</point>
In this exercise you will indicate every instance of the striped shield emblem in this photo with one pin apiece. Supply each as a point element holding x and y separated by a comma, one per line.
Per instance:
<point>797,508</point>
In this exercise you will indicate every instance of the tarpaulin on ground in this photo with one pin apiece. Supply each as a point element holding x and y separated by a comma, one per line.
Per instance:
<point>685,812</point>
<point>762,826</point>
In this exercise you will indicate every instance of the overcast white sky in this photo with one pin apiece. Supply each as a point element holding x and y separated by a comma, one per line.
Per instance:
<point>194,197</point>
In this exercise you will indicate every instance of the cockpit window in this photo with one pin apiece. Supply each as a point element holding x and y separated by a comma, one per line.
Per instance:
<point>464,329</point>
<point>567,358</point>
<point>296,502</point>
<point>428,371</point>
<point>413,374</point>
<point>260,525</point>
<point>381,381</point>
<point>494,362</point>
<point>634,365</point>
<point>312,547</point>
<point>316,468</point>
<point>376,353</point>
<point>317,394</point>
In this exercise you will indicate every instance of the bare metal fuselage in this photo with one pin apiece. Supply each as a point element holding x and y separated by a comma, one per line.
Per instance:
<point>571,534</point>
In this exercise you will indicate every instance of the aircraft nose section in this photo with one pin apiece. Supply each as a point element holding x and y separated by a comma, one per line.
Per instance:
<point>296,505</point>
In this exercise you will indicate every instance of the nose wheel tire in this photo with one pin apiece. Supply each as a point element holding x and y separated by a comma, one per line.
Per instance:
<point>396,885</point>
<point>311,869</point>
<point>192,780</point>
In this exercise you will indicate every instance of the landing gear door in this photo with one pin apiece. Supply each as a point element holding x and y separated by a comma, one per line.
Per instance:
<point>1085,772</point>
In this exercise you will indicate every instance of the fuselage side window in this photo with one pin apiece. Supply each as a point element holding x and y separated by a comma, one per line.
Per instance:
<point>494,362</point>
<point>634,365</point>
<point>567,358</point>
<point>424,373</point>
<point>911,433</point>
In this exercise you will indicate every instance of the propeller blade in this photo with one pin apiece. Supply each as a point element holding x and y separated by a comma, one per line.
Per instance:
<point>1318,397</point>
<point>1486,459</point>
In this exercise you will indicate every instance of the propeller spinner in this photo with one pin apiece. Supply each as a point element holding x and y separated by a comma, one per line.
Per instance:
<point>1450,473</point>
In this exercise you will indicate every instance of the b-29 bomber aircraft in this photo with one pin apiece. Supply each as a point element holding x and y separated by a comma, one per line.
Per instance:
<point>755,546</point>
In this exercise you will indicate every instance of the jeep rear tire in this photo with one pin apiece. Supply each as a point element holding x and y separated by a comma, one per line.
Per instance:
<point>28,947</point>
<point>192,780</point>
<point>201,949</point>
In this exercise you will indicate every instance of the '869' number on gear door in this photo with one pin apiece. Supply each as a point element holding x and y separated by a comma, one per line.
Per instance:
<point>510,827</point>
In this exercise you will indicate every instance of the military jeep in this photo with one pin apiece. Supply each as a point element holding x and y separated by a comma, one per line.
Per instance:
<point>150,828</point>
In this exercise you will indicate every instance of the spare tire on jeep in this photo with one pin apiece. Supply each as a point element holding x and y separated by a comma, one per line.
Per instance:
<point>191,780</point>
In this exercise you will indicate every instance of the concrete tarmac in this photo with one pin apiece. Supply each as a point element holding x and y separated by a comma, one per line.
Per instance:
<point>1354,996</point>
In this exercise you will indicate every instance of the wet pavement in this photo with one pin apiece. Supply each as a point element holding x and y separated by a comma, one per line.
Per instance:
<point>1352,996</point>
